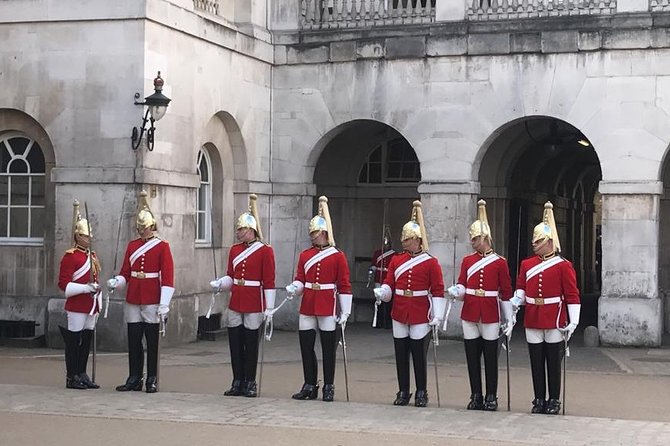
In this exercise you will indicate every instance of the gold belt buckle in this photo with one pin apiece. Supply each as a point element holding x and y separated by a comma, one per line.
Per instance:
<point>408,293</point>
<point>140,274</point>
<point>480,292</point>
<point>539,301</point>
<point>316,286</point>
<point>240,282</point>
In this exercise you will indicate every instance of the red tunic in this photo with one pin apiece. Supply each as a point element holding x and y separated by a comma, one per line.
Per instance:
<point>559,280</point>
<point>330,270</point>
<point>73,261</point>
<point>425,276</point>
<point>492,277</point>
<point>158,259</point>
<point>256,266</point>
<point>381,264</point>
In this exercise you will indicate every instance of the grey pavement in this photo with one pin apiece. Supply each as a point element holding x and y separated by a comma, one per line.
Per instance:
<point>614,396</point>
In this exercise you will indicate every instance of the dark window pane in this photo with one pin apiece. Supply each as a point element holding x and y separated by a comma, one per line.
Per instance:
<point>201,225</point>
<point>3,222</point>
<point>37,222</point>
<point>19,190</point>
<point>37,191</point>
<point>17,165</point>
<point>4,153</point>
<point>4,189</point>
<point>202,198</point>
<point>204,171</point>
<point>36,159</point>
<point>375,173</point>
<point>18,222</point>
<point>18,145</point>
<point>393,171</point>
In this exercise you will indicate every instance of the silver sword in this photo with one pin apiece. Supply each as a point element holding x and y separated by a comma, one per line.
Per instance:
<point>343,341</point>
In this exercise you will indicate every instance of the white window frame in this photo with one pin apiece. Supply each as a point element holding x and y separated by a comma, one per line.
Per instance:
<point>205,213</point>
<point>6,240</point>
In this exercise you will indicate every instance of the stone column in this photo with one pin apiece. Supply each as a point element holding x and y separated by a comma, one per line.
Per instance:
<point>449,207</point>
<point>629,310</point>
<point>291,208</point>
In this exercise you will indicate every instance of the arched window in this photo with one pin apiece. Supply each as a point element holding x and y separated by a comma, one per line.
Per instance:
<point>21,190</point>
<point>393,161</point>
<point>203,214</point>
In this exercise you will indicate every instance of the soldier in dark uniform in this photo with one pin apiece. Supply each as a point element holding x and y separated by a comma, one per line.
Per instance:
<point>414,280</point>
<point>547,286</point>
<point>148,270</point>
<point>483,281</point>
<point>78,278</point>
<point>377,273</point>
<point>251,279</point>
<point>322,279</point>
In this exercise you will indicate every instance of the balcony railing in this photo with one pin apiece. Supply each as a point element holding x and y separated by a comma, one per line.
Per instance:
<point>210,6</point>
<point>521,9</point>
<point>325,14</point>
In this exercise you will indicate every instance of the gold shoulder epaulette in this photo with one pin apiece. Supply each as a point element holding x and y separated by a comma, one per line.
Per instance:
<point>70,251</point>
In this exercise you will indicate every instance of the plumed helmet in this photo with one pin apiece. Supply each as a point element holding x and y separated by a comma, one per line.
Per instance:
<point>249,219</point>
<point>145,218</point>
<point>79,224</point>
<point>481,225</point>
<point>547,229</point>
<point>415,228</point>
<point>322,222</point>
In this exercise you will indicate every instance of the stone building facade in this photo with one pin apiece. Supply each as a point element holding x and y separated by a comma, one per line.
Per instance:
<point>446,101</point>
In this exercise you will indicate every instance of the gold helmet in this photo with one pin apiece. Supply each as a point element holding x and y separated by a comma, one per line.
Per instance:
<point>321,221</point>
<point>415,228</point>
<point>547,229</point>
<point>481,227</point>
<point>145,218</point>
<point>250,218</point>
<point>79,224</point>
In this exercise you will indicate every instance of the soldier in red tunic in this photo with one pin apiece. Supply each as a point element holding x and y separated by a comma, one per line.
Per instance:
<point>148,270</point>
<point>547,286</point>
<point>78,278</point>
<point>414,280</point>
<point>484,278</point>
<point>251,279</point>
<point>378,270</point>
<point>322,279</point>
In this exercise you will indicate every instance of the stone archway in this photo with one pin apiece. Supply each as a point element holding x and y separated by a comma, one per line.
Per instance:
<point>530,161</point>
<point>370,174</point>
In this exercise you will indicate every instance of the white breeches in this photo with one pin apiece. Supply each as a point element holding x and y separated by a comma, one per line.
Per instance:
<point>80,321</point>
<point>324,323</point>
<point>141,313</point>
<point>416,331</point>
<point>474,330</point>
<point>537,336</point>
<point>251,321</point>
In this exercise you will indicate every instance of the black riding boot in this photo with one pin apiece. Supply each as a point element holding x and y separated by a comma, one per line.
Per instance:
<point>491,370</point>
<point>402,368</point>
<point>473,357</point>
<point>536,352</point>
<point>72,341</point>
<point>236,344</point>
<point>419,349</point>
<point>553,357</point>
<point>250,362</point>
<point>151,333</point>
<point>309,389</point>
<point>84,349</point>
<point>135,358</point>
<point>329,352</point>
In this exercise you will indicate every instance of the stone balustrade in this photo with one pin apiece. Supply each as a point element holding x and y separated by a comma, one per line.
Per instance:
<point>327,14</point>
<point>521,9</point>
<point>210,6</point>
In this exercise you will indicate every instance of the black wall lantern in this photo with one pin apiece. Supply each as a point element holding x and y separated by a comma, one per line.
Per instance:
<point>156,107</point>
